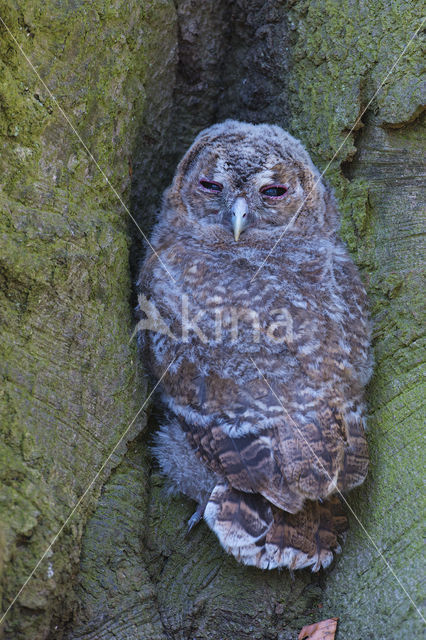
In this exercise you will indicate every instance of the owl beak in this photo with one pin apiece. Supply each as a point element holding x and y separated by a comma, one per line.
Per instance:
<point>239,211</point>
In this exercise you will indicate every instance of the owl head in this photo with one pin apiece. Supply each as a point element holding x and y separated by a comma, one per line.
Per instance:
<point>241,182</point>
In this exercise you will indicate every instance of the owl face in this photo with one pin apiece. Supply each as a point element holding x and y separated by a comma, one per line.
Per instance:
<point>240,181</point>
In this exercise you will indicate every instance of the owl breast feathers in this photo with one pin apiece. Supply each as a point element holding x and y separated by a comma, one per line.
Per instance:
<point>253,319</point>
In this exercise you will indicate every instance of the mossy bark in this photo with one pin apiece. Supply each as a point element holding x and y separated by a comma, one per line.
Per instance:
<point>71,383</point>
<point>138,81</point>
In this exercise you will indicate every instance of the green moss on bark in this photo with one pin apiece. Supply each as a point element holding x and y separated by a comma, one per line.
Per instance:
<point>71,382</point>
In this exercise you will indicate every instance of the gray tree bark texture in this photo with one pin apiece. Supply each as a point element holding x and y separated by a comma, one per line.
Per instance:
<point>85,525</point>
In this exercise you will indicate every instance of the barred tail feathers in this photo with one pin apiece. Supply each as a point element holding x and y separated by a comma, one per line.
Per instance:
<point>258,533</point>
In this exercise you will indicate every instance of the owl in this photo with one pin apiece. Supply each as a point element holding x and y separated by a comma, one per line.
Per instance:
<point>254,324</point>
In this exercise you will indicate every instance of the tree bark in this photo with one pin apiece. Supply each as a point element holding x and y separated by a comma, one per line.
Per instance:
<point>138,81</point>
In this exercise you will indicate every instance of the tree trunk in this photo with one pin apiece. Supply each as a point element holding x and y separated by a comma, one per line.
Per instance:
<point>138,81</point>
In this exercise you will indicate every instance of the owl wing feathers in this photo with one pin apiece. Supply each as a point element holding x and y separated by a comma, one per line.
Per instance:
<point>249,463</point>
<point>324,454</point>
<point>289,463</point>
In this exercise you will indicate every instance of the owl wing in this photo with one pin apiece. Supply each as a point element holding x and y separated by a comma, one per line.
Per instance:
<point>249,463</point>
<point>289,463</point>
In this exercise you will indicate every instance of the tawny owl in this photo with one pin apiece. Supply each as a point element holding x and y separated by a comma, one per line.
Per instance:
<point>253,319</point>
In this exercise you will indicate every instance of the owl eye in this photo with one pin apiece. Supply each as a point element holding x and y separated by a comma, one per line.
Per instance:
<point>274,191</point>
<point>213,187</point>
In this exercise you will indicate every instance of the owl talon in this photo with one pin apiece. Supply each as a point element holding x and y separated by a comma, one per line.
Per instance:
<point>195,518</point>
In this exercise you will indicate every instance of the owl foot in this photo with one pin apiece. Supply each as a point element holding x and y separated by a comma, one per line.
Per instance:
<point>196,517</point>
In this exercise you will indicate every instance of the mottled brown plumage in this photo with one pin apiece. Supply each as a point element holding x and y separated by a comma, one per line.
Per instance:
<point>269,343</point>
